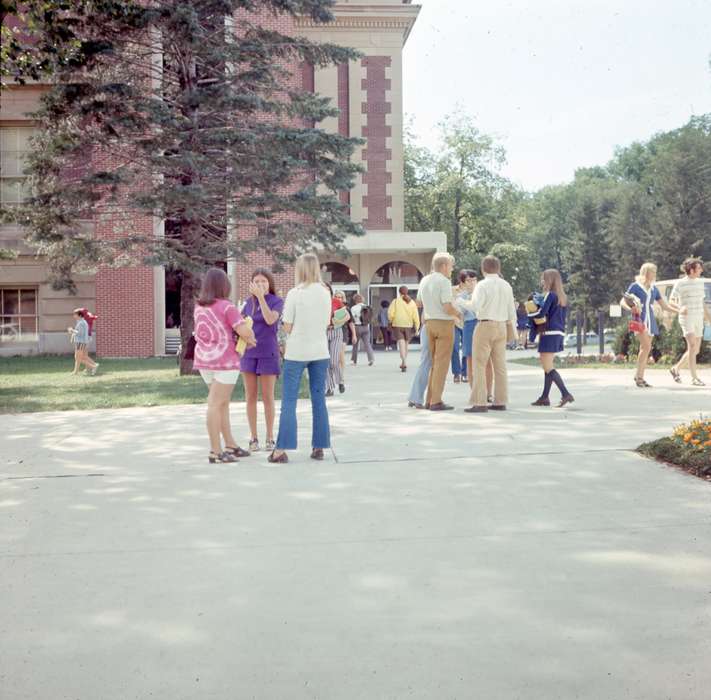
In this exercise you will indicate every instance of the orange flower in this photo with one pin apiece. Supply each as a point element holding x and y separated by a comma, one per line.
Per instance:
<point>696,442</point>
<point>687,437</point>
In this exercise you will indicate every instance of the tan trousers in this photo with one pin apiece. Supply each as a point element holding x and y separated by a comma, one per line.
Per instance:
<point>490,342</point>
<point>440,335</point>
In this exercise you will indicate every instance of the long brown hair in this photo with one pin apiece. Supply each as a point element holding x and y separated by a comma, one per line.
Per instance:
<point>215,285</point>
<point>262,271</point>
<point>405,294</point>
<point>554,283</point>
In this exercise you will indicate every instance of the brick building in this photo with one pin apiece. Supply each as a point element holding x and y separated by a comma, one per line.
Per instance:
<point>138,307</point>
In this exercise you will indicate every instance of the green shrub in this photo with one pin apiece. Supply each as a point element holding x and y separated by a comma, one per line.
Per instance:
<point>666,449</point>
<point>667,347</point>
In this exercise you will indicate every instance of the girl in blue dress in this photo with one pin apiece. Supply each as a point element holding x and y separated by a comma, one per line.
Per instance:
<point>639,299</point>
<point>550,340</point>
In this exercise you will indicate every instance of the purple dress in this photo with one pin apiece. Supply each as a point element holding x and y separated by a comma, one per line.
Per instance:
<point>264,358</point>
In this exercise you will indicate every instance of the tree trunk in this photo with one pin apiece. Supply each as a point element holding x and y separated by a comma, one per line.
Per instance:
<point>457,226</point>
<point>188,292</point>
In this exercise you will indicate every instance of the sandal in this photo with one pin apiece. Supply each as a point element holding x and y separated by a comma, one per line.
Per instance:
<point>270,445</point>
<point>281,459</point>
<point>254,445</point>
<point>236,451</point>
<point>221,457</point>
<point>640,382</point>
<point>697,382</point>
<point>675,375</point>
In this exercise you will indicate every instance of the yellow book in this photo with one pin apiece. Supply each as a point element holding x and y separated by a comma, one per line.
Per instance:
<point>241,342</point>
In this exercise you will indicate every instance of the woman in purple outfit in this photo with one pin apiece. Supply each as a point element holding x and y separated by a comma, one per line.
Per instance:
<point>261,364</point>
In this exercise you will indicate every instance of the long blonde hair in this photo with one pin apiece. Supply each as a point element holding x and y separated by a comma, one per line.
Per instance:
<point>553,282</point>
<point>307,270</point>
<point>645,272</point>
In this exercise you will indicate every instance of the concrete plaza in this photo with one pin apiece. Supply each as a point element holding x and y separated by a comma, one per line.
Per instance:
<point>528,554</point>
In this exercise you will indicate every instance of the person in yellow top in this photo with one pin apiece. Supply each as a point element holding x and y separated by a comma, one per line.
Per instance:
<point>405,320</point>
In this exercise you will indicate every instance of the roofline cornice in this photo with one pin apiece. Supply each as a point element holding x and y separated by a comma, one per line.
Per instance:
<point>366,17</point>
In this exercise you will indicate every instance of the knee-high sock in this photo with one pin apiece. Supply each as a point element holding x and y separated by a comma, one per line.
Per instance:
<point>547,383</point>
<point>559,382</point>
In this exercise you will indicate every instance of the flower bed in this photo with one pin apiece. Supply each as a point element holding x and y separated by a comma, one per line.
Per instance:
<point>688,447</point>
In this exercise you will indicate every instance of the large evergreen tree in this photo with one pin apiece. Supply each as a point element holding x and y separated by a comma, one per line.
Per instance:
<point>185,110</point>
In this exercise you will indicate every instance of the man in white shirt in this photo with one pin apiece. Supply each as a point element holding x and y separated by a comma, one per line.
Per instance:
<point>435,292</point>
<point>493,303</point>
<point>689,293</point>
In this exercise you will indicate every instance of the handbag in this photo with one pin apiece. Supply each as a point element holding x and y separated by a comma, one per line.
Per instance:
<point>190,349</point>
<point>636,325</point>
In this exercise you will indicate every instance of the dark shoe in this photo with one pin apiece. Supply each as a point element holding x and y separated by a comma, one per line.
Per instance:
<point>489,399</point>
<point>329,393</point>
<point>412,404</point>
<point>568,398</point>
<point>441,407</point>
<point>221,457</point>
<point>403,368</point>
<point>542,401</point>
<point>281,459</point>
<point>457,379</point>
<point>317,453</point>
<point>497,407</point>
<point>341,388</point>
<point>476,409</point>
<point>237,451</point>
<point>370,364</point>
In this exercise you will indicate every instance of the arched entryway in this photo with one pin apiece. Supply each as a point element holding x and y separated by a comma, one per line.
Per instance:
<point>342,277</point>
<point>388,279</point>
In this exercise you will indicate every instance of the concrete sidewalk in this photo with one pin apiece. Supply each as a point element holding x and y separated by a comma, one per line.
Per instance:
<point>526,554</point>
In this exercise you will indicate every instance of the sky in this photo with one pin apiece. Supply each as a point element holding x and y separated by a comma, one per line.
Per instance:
<point>559,83</point>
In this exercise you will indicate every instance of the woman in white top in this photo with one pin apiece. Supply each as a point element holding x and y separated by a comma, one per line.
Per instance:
<point>689,294</point>
<point>306,316</point>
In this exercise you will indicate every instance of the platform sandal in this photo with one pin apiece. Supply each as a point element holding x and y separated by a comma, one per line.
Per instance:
<point>221,457</point>
<point>237,451</point>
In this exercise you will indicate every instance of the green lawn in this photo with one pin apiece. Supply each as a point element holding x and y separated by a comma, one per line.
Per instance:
<point>29,384</point>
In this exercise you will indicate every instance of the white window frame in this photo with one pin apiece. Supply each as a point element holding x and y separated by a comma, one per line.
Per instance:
<point>12,174</point>
<point>11,330</point>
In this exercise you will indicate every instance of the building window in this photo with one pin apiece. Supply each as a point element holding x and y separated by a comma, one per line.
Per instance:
<point>14,147</point>
<point>18,315</point>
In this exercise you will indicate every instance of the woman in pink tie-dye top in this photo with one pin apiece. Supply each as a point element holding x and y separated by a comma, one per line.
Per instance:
<point>217,319</point>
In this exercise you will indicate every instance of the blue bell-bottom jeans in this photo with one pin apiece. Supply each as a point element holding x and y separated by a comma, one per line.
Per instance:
<point>320,431</point>
<point>419,383</point>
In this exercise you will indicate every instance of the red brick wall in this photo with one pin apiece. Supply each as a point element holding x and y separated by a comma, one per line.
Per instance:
<point>375,154</point>
<point>124,295</point>
<point>303,78</point>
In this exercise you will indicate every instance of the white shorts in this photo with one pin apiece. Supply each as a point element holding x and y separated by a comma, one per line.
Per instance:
<point>692,324</point>
<point>221,376</point>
